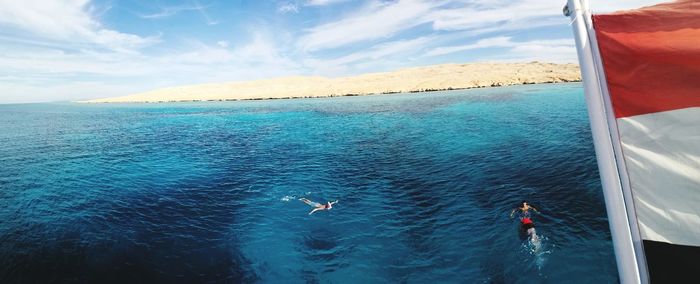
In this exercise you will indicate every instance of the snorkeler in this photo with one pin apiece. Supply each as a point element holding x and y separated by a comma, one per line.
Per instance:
<point>318,206</point>
<point>526,223</point>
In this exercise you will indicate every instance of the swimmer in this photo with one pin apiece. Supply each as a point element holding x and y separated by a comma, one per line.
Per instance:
<point>318,206</point>
<point>524,208</point>
<point>526,223</point>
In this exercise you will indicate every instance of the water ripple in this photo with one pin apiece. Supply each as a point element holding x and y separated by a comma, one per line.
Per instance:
<point>207,192</point>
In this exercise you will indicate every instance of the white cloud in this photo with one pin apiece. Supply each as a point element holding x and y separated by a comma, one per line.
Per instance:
<point>380,20</point>
<point>394,48</point>
<point>380,54</point>
<point>542,53</point>
<point>322,2</point>
<point>222,43</point>
<point>201,55</point>
<point>545,51</point>
<point>484,43</point>
<point>287,7</point>
<point>63,91</point>
<point>265,48</point>
<point>169,11</point>
<point>552,50</point>
<point>41,63</point>
<point>492,14</point>
<point>56,75</point>
<point>374,21</point>
<point>66,20</point>
<point>606,6</point>
<point>60,19</point>
<point>46,72</point>
<point>203,11</point>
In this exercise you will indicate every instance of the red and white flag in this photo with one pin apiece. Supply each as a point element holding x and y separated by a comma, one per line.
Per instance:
<point>647,66</point>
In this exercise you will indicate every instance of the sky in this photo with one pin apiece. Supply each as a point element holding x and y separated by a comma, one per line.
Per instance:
<point>67,50</point>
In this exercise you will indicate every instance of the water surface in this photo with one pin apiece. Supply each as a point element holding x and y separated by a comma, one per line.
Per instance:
<point>206,192</point>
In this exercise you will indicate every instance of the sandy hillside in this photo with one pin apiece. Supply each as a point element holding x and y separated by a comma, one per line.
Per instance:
<point>418,79</point>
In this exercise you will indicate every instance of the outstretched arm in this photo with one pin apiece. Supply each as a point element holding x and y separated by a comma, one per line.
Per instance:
<point>334,202</point>
<point>512,212</point>
<point>315,209</point>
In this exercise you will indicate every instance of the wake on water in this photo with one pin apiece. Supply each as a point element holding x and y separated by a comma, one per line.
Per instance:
<point>288,198</point>
<point>538,248</point>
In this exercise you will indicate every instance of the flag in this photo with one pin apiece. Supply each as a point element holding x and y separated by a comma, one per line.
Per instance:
<point>650,62</point>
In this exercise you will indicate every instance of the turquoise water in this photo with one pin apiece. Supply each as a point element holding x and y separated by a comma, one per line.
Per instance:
<point>206,192</point>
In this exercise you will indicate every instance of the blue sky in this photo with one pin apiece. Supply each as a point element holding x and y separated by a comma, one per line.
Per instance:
<point>79,49</point>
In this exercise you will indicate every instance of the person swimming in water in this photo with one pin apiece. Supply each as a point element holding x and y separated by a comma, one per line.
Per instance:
<point>524,208</point>
<point>526,223</point>
<point>318,206</point>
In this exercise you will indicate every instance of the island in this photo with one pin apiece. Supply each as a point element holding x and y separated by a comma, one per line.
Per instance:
<point>415,79</point>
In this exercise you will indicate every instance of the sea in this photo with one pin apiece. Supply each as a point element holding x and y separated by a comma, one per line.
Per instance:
<point>208,192</point>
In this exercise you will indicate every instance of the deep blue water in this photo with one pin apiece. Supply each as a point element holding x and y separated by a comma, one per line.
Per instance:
<point>205,192</point>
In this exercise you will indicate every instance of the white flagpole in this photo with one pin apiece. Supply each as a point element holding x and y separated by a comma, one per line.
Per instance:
<point>627,263</point>
<point>617,147</point>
